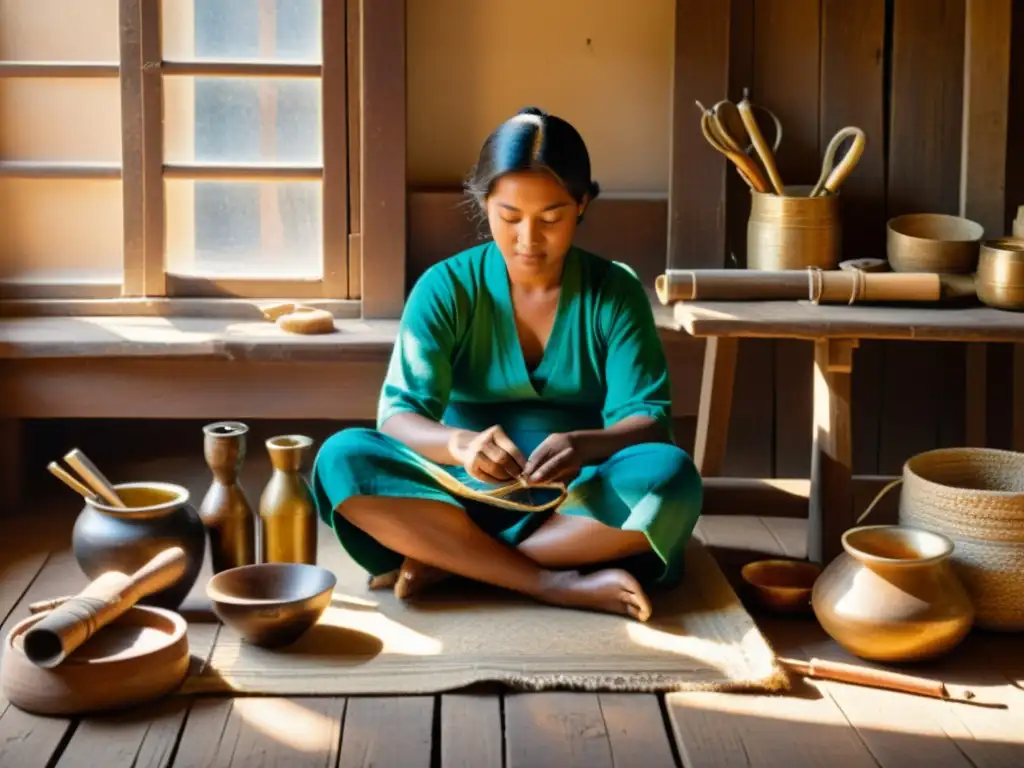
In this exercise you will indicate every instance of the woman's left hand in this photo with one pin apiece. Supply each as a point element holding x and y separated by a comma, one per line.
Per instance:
<point>558,458</point>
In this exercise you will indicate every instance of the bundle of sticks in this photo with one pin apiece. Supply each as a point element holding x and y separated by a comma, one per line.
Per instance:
<point>845,286</point>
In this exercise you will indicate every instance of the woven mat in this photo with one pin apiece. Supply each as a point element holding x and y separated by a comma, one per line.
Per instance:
<point>699,637</point>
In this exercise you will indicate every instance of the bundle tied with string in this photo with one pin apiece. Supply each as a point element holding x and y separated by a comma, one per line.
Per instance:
<point>819,286</point>
<point>974,496</point>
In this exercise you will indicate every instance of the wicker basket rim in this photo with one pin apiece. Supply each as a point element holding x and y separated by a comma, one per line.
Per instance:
<point>910,464</point>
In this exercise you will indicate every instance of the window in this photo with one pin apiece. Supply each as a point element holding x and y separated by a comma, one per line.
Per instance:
<point>190,148</point>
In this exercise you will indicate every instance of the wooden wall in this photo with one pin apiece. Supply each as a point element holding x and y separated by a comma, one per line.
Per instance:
<point>896,68</point>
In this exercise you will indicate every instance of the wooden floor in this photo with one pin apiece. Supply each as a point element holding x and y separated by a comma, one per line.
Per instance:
<point>820,724</point>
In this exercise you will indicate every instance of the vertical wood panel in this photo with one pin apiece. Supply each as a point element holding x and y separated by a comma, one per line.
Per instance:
<point>334,90</point>
<point>696,192</point>
<point>853,93</point>
<point>383,148</point>
<point>749,451</point>
<point>923,383</point>
<point>983,160</point>
<point>787,49</point>
<point>354,59</point>
<point>131,148</point>
<point>151,53</point>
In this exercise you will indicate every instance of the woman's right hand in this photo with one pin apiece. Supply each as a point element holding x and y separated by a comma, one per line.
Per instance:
<point>489,456</point>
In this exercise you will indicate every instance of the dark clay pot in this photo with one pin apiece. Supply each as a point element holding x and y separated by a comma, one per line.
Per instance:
<point>159,516</point>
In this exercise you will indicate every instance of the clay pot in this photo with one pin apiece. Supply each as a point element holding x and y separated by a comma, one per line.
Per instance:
<point>893,595</point>
<point>225,510</point>
<point>159,516</point>
<point>288,516</point>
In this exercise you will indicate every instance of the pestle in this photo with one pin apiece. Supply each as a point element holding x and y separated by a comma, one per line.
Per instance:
<point>79,617</point>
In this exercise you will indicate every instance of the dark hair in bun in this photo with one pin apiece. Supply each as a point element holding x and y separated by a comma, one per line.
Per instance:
<point>533,140</point>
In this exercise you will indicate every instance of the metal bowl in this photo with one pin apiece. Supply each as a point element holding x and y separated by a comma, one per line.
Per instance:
<point>1000,278</point>
<point>933,242</point>
<point>782,586</point>
<point>271,604</point>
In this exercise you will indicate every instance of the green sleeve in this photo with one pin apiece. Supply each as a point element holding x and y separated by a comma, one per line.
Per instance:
<point>419,374</point>
<point>635,365</point>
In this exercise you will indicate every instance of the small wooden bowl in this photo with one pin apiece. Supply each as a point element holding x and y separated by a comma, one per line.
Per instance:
<point>271,604</point>
<point>1000,277</point>
<point>782,586</point>
<point>141,656</point>
<point>933,242</point>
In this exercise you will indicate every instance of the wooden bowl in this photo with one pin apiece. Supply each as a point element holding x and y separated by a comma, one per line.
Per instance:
<point>782,586</point>
<point>1000,278</point>
<point>933,242</point>
<point>139,657</point>
<point>271,604</point>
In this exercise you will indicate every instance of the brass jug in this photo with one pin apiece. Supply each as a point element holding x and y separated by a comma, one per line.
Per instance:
<point>225,510</point>
<point>893,595</point>
<point>287,512</point>
<point>793,231</point>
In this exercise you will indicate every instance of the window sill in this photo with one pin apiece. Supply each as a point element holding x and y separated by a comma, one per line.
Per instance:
<point>224,329</point>
<point>137,336</point>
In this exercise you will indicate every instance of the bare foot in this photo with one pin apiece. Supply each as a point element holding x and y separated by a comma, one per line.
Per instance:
<point>611,590</point>
<point>414,577</point>
<point>384,581</point>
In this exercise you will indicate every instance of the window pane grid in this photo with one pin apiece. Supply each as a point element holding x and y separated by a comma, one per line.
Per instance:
<point>241,158</point>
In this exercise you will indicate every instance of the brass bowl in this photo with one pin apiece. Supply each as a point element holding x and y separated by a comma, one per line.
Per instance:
<point>271,604</point>
<point>933,242</point>
<point>782,586</point>
<point>1000,277</point>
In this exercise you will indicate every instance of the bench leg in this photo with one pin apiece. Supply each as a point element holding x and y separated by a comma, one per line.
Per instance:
<point>831,496</point>
<point>715,405</point>
<point>10,466</point>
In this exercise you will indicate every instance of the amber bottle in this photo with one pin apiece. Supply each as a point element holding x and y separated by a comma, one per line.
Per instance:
<point>287,512</point>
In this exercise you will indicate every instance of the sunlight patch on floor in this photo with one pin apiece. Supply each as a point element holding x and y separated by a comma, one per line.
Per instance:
<point>289,723</point>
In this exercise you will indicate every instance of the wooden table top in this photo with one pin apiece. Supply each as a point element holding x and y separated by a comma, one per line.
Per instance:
<point>803,320</point>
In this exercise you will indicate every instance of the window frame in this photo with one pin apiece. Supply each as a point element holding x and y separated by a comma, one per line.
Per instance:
<point>362,78</point>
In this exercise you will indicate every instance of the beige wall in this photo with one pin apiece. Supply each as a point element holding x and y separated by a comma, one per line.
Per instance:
<point>604,65</point>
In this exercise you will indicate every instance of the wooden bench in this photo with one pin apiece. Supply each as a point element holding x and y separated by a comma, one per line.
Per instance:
<point>835,331</point>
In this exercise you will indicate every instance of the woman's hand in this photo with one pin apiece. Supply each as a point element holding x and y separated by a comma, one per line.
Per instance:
<point>559,457</point>
<point>489,455</point>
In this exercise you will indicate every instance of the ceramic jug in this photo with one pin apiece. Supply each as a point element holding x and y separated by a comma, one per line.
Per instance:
<point>287,512</point>
<point>892,595</point>
<point>225,510</point>
<point>158,516</point>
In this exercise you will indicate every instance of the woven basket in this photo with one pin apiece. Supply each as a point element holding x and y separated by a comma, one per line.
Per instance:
<point>975,496</point>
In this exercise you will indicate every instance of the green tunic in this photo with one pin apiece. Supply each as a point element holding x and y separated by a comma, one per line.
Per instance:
<point>457,359</point>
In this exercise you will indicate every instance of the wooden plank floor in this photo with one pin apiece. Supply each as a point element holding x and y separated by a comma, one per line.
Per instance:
<point>820,724</point>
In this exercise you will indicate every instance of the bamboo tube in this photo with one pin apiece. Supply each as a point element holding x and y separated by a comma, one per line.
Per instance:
<point>828,286</point>
<point>92,475</point>
<point>78,618</point>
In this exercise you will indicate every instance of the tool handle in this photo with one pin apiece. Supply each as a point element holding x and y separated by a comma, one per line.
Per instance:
<point>760,145</point>
<point>69,480</point>
<point>848,163</point>
<point>875,678</point>
<point>91,474</point>
<point>831,177</point>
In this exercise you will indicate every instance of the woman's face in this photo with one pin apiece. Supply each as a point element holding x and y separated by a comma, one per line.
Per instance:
<point>533,221</point>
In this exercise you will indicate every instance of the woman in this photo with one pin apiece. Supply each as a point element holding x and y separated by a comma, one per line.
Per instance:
<point>522,358</point>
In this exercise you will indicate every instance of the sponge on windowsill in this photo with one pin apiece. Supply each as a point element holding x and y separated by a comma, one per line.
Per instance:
<point>298,318</point>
